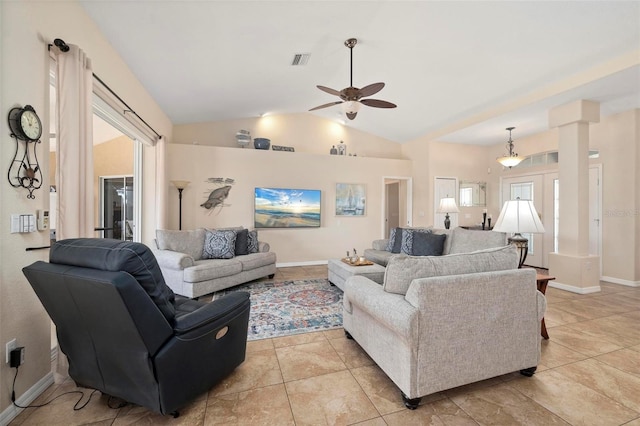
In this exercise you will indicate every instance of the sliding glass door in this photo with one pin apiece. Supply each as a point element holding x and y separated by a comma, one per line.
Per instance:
<point>117,207</point>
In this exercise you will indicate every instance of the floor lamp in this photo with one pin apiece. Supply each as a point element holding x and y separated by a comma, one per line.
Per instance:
<point>447,205</point>
<point>180,185</point>
<point>519,216</point>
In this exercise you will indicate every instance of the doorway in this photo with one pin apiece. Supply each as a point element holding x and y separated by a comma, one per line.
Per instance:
<point>397,203</point>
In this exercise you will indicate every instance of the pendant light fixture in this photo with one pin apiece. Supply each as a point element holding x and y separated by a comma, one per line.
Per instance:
<point>511,159</point>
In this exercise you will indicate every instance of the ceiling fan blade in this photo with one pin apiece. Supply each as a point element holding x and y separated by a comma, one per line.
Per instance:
<point>377,103</point>
<point>371,89</point>
<point>326,105</point>
<point>329,90</point>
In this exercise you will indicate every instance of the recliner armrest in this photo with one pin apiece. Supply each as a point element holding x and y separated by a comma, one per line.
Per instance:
<point>212,315</point>
<point>173,259</point>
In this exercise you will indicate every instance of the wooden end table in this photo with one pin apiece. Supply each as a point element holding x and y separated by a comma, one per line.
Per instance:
<point>542,280</point>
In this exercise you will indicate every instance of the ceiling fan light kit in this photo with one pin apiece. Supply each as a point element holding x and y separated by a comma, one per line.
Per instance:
<point>352,96</point>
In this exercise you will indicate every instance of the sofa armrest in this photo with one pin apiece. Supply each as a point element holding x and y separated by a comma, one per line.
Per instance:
<point>172,259</point>
<point>542,305</point>
<point>392,310</point>
<point>263,247</point>
<point>380,244</point>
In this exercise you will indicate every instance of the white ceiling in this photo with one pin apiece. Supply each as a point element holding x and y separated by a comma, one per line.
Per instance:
<point>458,71</point>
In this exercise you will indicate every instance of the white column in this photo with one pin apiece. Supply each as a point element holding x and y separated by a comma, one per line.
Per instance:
<point>573,267</point>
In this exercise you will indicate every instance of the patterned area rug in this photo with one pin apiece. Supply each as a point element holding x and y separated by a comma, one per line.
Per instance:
<point>291,307</point>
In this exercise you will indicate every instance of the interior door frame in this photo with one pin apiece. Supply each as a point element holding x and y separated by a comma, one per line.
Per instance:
<point>407,207</point>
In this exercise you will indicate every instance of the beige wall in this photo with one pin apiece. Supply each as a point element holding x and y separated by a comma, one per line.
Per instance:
<point>435,159</point>
<point>304,132</point>
<point>26,28</point>
<point>255,168</point>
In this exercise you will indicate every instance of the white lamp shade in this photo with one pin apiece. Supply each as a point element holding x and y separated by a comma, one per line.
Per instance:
<point>509,161</point>
<point>180,184</point>
<point>448,205</point>
<point>519,216</point>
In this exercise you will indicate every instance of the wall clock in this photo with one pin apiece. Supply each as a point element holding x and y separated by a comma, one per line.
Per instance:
<point>24,171</point>
<point>25,123</point>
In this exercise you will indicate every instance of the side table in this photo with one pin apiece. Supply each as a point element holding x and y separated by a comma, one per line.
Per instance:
<point>542,280</point>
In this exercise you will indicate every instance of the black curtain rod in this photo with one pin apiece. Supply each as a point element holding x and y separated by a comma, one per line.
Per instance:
<point>60,44</point>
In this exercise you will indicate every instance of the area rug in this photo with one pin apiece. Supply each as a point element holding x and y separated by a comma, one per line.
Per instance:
<point>290,307</point>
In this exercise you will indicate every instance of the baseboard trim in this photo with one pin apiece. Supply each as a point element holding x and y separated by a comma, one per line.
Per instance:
<point>574,289</point>
<point>309,263</point>
<point>26,398</point>
<point>620,281</point>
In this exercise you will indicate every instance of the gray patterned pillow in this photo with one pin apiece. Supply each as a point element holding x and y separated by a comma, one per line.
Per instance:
<point>219,244</point>
<point>392,239</point>
<point>252,246</point>
<point>406,245</point>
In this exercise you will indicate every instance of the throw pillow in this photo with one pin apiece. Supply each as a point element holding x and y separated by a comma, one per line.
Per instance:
<point>406,245</point>
<point>252,245</point>
<point>392,239</point>
<point>219,244</point>
<point>395,240</point>
<point>427,244</point>
<point>242,242</point>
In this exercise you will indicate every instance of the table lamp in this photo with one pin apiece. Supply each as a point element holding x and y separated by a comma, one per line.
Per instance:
<point>518,216</point>
<point>447,205</point>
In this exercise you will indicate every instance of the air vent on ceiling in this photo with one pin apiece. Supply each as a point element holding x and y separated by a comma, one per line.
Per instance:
<point>300,59</point>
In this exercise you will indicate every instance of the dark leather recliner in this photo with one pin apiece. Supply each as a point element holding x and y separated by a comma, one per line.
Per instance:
<point>124,331</point>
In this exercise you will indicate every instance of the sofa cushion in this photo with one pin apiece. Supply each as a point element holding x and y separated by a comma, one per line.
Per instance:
<point>465,240</point>
<point>253,246</point>
<point>210,269</point>
<point>427,244</point>
<point>402,269</point>
<point>189,242</point>
<point>381,257</point>
<point>256,260</point>
<point>219,244</point>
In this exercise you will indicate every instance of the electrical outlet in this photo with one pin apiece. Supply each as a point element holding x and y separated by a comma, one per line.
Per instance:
<point>11,345</point>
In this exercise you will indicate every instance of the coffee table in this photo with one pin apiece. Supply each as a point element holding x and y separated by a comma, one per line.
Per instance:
<point>339,271</point>
<point>542,280</point>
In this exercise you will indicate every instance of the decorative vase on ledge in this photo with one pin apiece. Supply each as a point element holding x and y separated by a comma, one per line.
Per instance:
<point>261,143</point>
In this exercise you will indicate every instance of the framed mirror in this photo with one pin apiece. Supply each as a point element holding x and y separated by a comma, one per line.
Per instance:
<point>473,194</point>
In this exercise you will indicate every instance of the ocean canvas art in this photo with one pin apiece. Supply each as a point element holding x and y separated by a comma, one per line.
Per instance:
<point>287,208</point>
<point>351,199</point>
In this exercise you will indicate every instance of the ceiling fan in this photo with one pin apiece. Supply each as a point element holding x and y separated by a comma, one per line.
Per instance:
<point>352,96</point>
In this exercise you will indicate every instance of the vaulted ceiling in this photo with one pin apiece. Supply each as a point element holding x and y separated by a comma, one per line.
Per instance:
<point>458,71</point>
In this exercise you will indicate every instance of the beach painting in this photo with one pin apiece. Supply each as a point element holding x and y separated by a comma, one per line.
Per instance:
<point>351,199</point>
<point>287,208</point>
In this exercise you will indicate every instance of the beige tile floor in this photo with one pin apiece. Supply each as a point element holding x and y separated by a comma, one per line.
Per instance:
<point>589,375</point>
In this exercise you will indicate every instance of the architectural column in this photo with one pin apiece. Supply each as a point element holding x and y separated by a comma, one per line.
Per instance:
<point>575,270</point>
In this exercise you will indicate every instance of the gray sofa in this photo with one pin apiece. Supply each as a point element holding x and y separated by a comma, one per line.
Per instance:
<point>458,240</point>
<point>186,272</point>
<point>440,322</point>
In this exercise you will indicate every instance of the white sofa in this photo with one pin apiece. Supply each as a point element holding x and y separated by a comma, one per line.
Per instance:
<point>439,322</point>
<point>180,256</point>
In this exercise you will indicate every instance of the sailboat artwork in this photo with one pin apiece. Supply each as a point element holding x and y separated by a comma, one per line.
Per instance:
<point>350,199</point>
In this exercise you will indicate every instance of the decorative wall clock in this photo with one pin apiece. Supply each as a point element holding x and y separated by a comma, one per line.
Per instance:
<point>24,171</point>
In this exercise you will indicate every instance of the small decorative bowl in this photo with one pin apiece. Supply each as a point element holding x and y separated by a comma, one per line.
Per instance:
<point>261,143</point>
